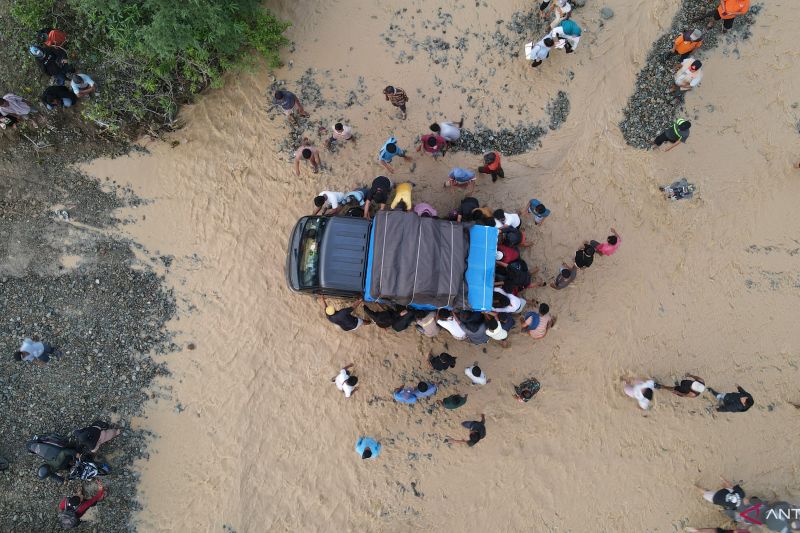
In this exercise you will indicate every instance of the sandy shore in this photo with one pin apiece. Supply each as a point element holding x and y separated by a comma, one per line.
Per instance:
<point>262,441</point>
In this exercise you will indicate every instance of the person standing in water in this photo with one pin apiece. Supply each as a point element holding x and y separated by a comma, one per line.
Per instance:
<point>309,153</point>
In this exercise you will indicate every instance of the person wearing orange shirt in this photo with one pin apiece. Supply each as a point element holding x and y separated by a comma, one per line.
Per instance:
<point>687,42</point>
<point>492,166</point>
<point>727,11</point>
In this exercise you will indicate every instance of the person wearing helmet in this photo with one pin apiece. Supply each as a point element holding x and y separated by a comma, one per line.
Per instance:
<point>676,134</point>
<point>52,61</point>
<point>344,318</point>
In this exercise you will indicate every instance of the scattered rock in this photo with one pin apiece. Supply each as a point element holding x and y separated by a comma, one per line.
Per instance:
<point>607,13</point>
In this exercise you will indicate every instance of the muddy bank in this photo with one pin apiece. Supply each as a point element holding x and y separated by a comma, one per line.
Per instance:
<point>69,278</point>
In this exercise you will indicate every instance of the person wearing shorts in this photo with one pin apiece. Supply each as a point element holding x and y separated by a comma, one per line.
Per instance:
<point>538,210</point>
<point>727,11</point>
<point>730,497</point>
<point>397,97</point>
<point>691,387</point>
<point>288,102</point>
<point>340,133</point>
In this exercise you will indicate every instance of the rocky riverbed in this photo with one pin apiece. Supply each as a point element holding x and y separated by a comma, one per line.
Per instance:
<point>68,278</point>
<point>652,107</point>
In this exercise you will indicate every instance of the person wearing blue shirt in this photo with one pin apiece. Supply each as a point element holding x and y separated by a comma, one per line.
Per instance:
<point>460,177</point>
<point>368,447</point>
<point>405,395</point>
<point>538,210</point>
<point>388,151</point>
<point>425,389</point>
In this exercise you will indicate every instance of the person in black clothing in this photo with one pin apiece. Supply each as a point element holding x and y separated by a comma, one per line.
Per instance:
<point>58,96</point>
<point>688,388</point>
<point>53,62</point>
<point>378,193</point>
<point>730,497</point>
<point>477,431</point>
<point>343,318</point>
<point>443,361</point>
<point>383,319</point>
<point>466,211</point>
<point>585,256</point>
<point>404,319</point>
<point>733,402</point>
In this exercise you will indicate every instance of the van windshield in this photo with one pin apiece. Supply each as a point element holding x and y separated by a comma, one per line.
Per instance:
<point>309,252</point>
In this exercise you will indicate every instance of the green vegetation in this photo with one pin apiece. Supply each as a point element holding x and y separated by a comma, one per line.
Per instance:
<point>150,56</point>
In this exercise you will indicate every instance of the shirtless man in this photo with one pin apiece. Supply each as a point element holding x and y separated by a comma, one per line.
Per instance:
<point>308,152</point>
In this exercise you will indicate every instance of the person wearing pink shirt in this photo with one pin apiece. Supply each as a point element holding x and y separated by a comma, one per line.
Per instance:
<point>611,244</point>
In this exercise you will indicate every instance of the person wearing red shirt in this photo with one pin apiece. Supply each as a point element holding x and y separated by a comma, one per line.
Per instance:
<point>727,11</point>
<point>435,145</point>
<point>492,166</point>
<point>79,504</point>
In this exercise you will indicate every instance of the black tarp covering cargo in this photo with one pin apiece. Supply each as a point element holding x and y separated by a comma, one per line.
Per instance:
<point>418,260</point>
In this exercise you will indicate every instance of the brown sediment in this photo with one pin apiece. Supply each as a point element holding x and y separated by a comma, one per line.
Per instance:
<point>709,286</point>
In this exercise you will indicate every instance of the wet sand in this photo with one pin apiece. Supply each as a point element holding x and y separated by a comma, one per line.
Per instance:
<point>252,436</point>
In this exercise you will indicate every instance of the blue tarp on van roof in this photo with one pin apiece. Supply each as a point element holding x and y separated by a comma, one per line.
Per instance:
<point>480,267</point>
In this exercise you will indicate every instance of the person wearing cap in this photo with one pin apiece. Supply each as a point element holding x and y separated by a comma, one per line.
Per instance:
<point>461,177</point>
<point>688,75</point>
<point>565,276</point>
<point>309,153</point>
<point>345,381</point>
<point>397,97</point>
<point>732,402</point>
<point>52,61</point>
<point>328,200</point>
<point>491,165</point>
<point>388,151</point>
<point>289,103</point>
<point>676,134</point>
<point>537,324</point>
<point>432,143</point>
<point>368,447</point>
<point>641,391</point>
<point>537,210</point>
<point>690,387</point>
<point>687,42</point>
<point>340,132</point>
<point>566,36</point>
<point>82,85</point>
<point>727,11</point>
<point>451,131</point>
<point>536,53</point>
<point>344,318</point>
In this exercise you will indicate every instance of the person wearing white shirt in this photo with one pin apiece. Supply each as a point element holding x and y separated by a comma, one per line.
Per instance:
<point>504,220</point>
<point>641,391</point>
<point>451,131</point>
<point>566,35</point>
<point>345,381</point>
<point>494,330</point>
<point>561,9</point>
<point>515,303</point>
<point>450,323</point>
<point>689,75</point>
<point>328,200</point>
<point>536,53</point>
<point>475,373</point>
